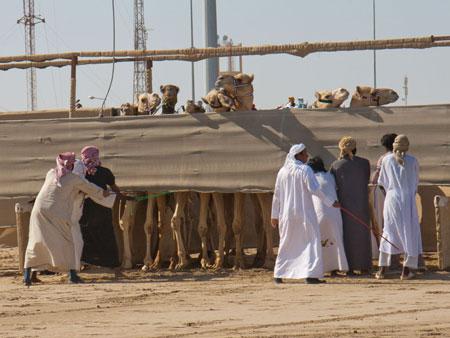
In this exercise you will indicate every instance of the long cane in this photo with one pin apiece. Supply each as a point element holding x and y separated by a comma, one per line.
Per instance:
<point>376,233</point>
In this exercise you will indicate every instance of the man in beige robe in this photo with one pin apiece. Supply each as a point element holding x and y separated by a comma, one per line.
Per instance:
<point>51,243</point>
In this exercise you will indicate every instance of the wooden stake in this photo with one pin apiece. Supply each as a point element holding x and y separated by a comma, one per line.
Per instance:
<point>73,85</point>
<point>23,212</point>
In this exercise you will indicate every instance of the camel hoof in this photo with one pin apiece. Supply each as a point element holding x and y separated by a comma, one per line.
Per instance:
<point>238,266</point>
<point>145,268</point>
<point>258,262</point>
<point>218,264</point>
<point>127,265</point>
<point>156,266</point>
<point>269,264</point>
<point>204,264</point>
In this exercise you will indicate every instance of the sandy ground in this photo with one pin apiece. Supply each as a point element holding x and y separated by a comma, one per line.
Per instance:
<point>224,304</point>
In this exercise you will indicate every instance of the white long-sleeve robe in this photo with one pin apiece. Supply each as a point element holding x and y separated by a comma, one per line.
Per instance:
<point>401,221</point>
<point>330,221</point>
<point>51,243</point>
<point>300,251</point>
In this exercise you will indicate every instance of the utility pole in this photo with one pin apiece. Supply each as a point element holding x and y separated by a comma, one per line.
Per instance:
<point>29,20</point>
<point>142,70</point>
<point>405,90</point>
<point>212,64</point>
<point>374,51</point>
<point>192,46</point>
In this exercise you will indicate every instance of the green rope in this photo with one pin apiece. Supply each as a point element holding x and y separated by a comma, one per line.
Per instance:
<point>146,197</point>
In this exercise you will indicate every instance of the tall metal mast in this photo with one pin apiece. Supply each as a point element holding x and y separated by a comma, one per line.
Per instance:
<point>140,42</point>
<point>29,20</point>
<point>212,64</point>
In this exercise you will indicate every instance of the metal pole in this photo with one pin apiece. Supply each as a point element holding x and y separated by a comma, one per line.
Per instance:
<point>73,85</point>
<point>212,64</point>
<point>192,46</point>
<point>374,51</point>
<point>148,76</point>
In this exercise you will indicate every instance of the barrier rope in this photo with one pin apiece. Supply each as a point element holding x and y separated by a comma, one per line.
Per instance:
<point>376,233</point>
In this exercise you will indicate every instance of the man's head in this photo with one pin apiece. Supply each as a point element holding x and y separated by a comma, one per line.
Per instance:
<point>400,147</point>
<point>387,141</point>
<point>317,165</point>
<point>347,147</point>
<point>302,156</point>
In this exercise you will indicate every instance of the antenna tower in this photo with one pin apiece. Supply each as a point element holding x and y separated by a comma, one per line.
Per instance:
<point>140,39</point>
<point>29,20</point>
<point>405,90</point>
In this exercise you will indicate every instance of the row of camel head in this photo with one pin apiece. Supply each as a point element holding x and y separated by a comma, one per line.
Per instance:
<point>232,92</point>
<point>224,97</point>
<point>364,96</point>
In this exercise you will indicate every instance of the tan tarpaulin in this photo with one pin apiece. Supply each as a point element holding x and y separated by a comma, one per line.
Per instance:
<point>221,152</point>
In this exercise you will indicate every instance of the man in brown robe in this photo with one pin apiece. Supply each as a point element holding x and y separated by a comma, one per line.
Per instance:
<point>352,174</point>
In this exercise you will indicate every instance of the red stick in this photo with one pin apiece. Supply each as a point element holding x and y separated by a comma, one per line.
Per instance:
<point>367,226</point>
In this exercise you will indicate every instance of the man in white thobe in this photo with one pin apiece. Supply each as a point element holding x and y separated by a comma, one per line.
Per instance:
<point>299,251</point>
<point>399,176</point>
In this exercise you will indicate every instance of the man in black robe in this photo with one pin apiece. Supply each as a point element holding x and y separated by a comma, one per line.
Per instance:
<point>352,174</point>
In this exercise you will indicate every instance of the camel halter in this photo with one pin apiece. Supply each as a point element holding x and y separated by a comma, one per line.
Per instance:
<point>325,101</point>
<point>237,85</point>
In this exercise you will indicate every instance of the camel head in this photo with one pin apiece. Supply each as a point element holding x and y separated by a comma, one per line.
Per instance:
<point>169,93</point>
<point>231,83</point>
<point>219,101</point>
<point>330,99</point>
<point>127,109</point>
<point>148,103</point>
<point>365,96</point>
<point>192,107</point>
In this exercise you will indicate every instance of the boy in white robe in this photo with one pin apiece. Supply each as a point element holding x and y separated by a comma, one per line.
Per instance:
<point>330,221</point>
<point>300,251</point>
<point>399,176</point>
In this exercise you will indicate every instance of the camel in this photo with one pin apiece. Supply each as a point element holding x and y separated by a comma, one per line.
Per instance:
<point>240,88</point>
<point>330,99</point>
<point>365,96</point>
<point>128,109</point>
<point>192,107</point>
<point>169,98</point>
<point>156,202</point>
<point>148,103</point>
<point>219,101</point>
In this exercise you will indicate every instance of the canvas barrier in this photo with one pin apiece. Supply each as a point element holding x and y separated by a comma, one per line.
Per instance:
<point>226,152</point>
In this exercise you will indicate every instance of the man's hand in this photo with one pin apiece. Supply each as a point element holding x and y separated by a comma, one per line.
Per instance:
<point>105,193</point>
<point>336,204</point>
<point>274,222</point>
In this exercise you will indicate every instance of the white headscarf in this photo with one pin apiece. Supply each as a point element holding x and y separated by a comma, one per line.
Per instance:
<point>291,162</point>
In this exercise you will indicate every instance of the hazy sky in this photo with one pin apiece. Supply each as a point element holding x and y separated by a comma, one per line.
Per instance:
<point>87,25</point>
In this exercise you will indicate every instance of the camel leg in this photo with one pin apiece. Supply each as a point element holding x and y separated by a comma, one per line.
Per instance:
<point>237,228</point>
<point>180,203</point>
<point>126,223</point>
<point>148,228</point>
<point>203,227</point>
<point>161,204</point>
<point>221,228</point>
<point>265,202</point>
<point>260,233</point>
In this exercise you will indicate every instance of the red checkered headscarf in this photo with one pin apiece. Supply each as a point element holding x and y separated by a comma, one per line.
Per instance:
<point>64,164</point>
<point>90,156</point>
